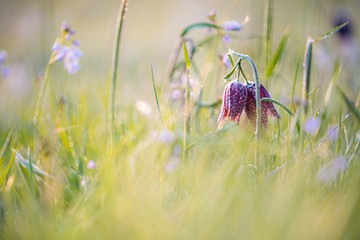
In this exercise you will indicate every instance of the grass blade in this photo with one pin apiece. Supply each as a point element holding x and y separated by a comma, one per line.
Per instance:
<point>331,32</point>
<point>307,73</point>
<point>278,53</point>
<point>156,97</point>
<point>3,175</point>
<point>25,163</point>
<point>268,30</point>
<point>349,104</point>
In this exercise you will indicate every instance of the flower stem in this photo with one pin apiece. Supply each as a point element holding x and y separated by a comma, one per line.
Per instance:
<point>114,65</point>
<point>258,103</point>
<point>41,96</point>
<point>257,88</point>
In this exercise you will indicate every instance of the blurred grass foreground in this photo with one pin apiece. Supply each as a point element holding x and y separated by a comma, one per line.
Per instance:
<point>134,120</point>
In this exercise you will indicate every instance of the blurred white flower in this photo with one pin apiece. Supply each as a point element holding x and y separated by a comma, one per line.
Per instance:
<point>172,164</point>
<point>143,107</point>
<point>312,125</point>
<point>331,171</point>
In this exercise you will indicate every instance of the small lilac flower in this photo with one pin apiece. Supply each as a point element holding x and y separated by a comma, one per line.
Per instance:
<point>234,100</point>
<point>166,136</point>
<point>91,165</point>
<point>333,132</point>
<point>312,125</point>
<point>4,71</point>
<point>226,61</point>
<point>267,108</point>
<point>212,15</point>
<point>331,171</point>
<point>226,39</point>
<point>231,26</point>
<point>67,49</point>
<point>67,31</point>
<point>176,94</point>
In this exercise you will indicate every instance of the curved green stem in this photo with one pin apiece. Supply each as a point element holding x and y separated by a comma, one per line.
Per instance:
<point>257,89</point>
<point>114,65</point>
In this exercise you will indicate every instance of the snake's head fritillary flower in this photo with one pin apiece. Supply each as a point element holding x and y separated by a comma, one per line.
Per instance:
<point>231,26</point>
<point>267,108</point>
<point>67,48</point>
<point>234,99</point>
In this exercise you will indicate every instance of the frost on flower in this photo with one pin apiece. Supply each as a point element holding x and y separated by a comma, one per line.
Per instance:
<point>331,171</point>
<point>4,71</point>
<point>66,49</point>
<point>267,108</point>
<point>312,125</point>
<point>238,97</point>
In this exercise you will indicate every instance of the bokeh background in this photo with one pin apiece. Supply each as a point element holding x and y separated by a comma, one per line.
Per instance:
<point>28,29</point>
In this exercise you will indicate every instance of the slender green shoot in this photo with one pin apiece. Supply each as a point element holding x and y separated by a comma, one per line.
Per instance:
<point>156,96</point>
<point>114,65</point>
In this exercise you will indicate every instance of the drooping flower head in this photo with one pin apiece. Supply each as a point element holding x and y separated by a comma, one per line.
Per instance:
<point>234,100</point>
<point>67,48</point>
<point>267,108</point>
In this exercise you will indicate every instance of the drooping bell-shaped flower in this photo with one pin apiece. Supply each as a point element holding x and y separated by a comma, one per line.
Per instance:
<point>234,99</point>
<point>267,108</point>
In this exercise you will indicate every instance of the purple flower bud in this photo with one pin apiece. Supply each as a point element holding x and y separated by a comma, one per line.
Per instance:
<point>312,125</point>
<point>92,165</point>
<point>166,136</point>
<point>4,71</point>
<point>176,94</point>
<point>3,56</point>
<point>226,39</point>
<point>226,61</point>
<point>212,15</point>
<point>231,26</point>
<point>234,100</point>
